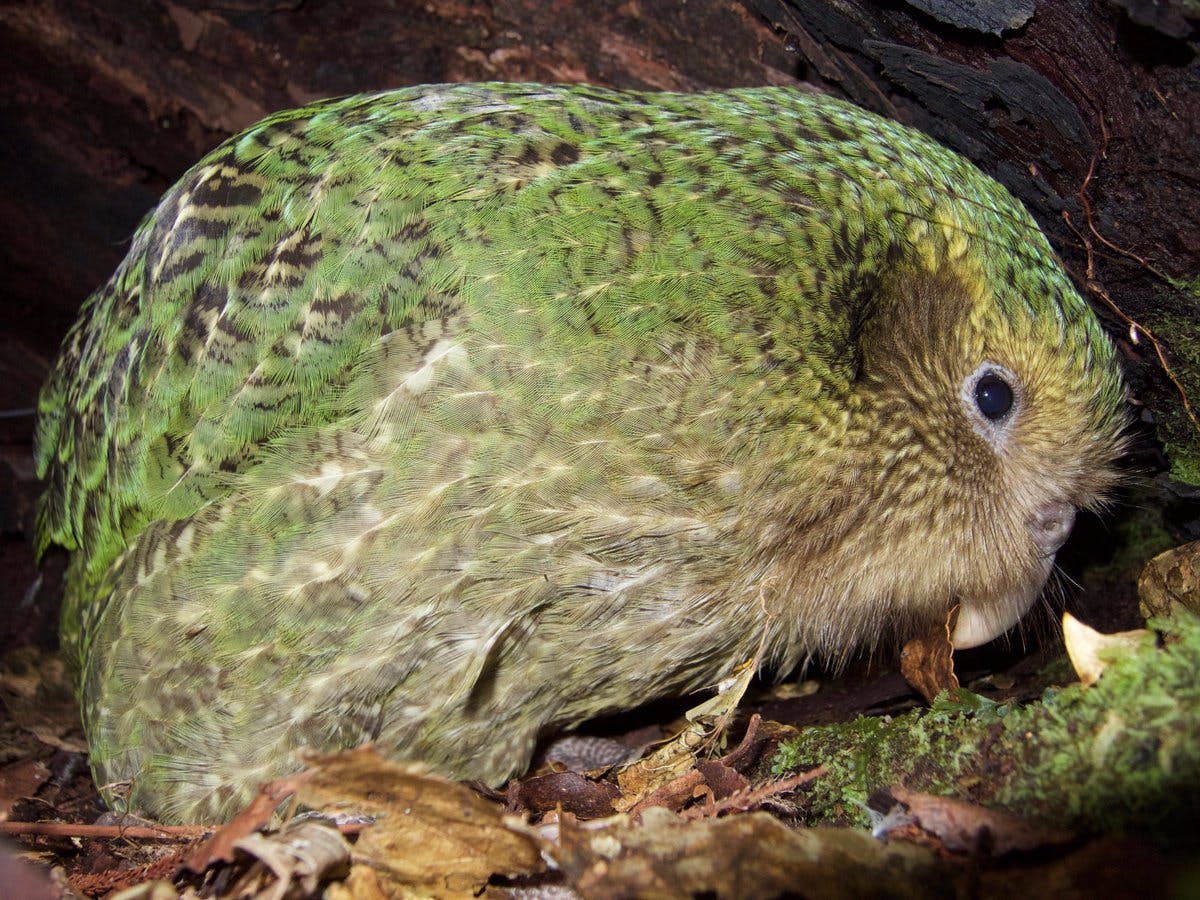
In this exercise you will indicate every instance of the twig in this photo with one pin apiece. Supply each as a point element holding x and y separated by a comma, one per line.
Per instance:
<point>748,799</point>
<point>141,832</point>
<point>1093,284</point>
<point>1087,214</point>
<point>727,716</point>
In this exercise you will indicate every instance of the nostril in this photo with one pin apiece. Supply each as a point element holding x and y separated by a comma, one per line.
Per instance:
<point>1051,525</point>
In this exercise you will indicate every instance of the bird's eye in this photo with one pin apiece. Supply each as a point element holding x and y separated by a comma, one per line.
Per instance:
<point>993,397</point>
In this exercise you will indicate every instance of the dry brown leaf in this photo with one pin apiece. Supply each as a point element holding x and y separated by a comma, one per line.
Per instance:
<point>723,704</point>
<point>259,812</point>
<point>673,795</point>
<point>742,757</point>
<point>677,757</point>
<point>667,764</point>
<point>574,793</point>
<point>927,661</point>
<point>1091,652</point>
<point>296,859</point>
<point>430,835</point>
<point>965,827</point>
<point>1171,579</point>
<point>722,779</point>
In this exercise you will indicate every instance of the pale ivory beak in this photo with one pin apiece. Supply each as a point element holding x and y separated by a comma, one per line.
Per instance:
<point>982,619</point>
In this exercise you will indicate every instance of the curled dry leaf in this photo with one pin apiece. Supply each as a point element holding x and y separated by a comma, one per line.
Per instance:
<point>676,758</point>
<point>670,762</point>
<point>259,812</point>
<point>297,859</point>
<point>1091,652</point>
<point>673,795</point>
<point>966,827</point>
<point>927,661</point>
<point>430,835</point>
<point>720,707</point>
<point>722,779</point>
<point>1171,579</point>
<point>749,749</point>
<point>570,791</point>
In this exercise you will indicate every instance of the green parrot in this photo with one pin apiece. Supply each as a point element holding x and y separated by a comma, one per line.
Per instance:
<point>447,418</point>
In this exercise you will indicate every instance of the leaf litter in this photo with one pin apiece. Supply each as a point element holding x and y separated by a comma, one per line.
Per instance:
<point>694,815</point>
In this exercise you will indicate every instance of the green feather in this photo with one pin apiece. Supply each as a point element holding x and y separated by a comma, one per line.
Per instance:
<point>450,416</point>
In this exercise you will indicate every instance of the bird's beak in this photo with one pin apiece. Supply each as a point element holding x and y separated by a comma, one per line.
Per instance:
<point>983,619</point>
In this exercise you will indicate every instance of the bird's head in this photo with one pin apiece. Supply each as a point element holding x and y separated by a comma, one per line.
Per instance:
<point>992,401</point>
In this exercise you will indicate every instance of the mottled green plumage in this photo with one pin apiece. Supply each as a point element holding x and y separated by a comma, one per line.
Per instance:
<point>451,416</point>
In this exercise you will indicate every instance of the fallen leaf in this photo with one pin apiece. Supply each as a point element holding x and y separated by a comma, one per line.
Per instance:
<point>259,812</point>
<point>677,756</point>
<point>673,795</point>
<point>429,834</point>
<point>749,749</point>
<point>927,661</point>
<point>670,762</point>
<point>721,778</point>
<point>1169,580</point>
<point>723,704</point>
<point>574,793</point>
<point>967,827</point>
<point>1091,652</point>
<point>301,856</point>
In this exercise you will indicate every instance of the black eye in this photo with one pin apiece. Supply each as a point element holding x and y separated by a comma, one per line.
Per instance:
<point>993,396</point>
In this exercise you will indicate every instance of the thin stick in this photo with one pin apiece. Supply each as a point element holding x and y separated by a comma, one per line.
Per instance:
<point>142,832</point>
<point>1093,285</point>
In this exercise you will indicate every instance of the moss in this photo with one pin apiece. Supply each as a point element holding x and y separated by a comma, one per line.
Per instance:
<point>1180,436</point>
<point>869,753</point>
<point>1123,753</point>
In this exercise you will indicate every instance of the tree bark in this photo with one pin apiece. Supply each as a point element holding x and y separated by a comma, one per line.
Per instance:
<point>1087,112</point>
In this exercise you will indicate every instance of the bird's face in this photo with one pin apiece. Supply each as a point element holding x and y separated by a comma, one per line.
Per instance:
<point>995,423</point>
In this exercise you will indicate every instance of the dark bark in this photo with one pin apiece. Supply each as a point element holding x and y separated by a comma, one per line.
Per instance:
<point>1087,111</point>
<point>106,103</point>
